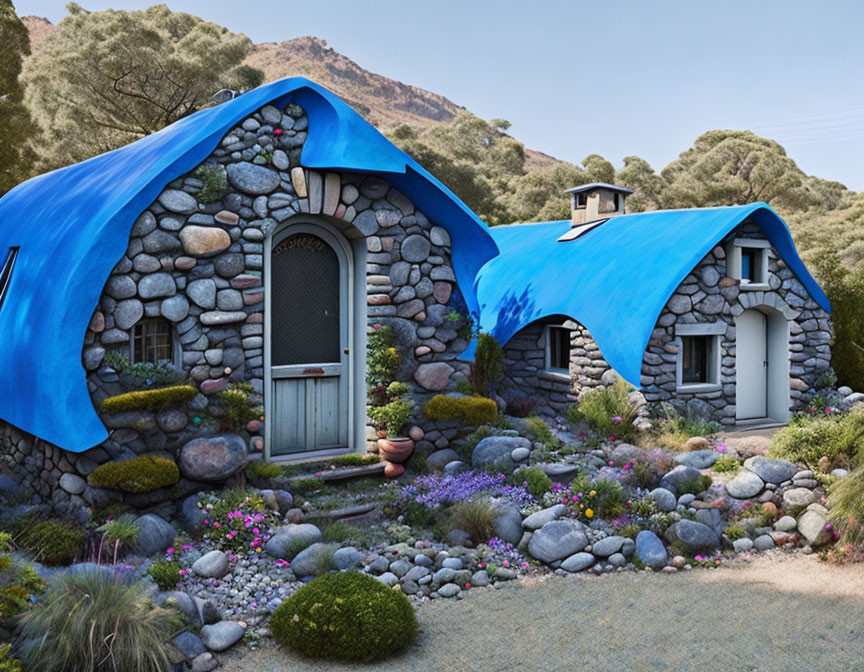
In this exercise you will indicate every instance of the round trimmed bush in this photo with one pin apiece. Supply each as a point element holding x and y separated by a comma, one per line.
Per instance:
<point>349,616</point>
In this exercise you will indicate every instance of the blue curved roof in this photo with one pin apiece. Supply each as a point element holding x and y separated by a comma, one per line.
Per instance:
<point>615,279</point>
<point>73,225</point>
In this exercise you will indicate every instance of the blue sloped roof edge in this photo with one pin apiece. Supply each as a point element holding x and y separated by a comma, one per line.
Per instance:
<point>616,279</point>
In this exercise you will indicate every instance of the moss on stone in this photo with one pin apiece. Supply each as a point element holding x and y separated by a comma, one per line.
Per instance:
<point>149,400</point>
<point>472,411</point>
<point>142,474</point>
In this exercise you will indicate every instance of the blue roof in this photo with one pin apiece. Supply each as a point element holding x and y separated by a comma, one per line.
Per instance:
<point>73,225</point>
<point>615,279</point>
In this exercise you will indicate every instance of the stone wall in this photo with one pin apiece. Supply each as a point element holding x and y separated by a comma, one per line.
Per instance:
<point>200,266</point>
<point>707,294</point>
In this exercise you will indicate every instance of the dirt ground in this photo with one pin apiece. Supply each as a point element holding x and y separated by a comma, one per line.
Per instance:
<point>778,612</point>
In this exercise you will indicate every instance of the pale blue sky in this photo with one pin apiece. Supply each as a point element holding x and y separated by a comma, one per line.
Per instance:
<point>629,77</point>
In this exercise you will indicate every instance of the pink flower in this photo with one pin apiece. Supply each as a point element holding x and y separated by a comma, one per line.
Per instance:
<point>506,563</point>
<point>184,572</point>
<point>617,418</point>
<point>255,530</point>
<point>611,437</point>
<point>278,131</point>
<point>186,547</point>
<point>611,463</point>
<point>170,550</point>
<point>217,525</point>
<point>827,411</point>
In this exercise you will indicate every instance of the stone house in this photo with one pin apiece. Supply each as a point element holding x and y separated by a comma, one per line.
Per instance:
<point>321,228</point>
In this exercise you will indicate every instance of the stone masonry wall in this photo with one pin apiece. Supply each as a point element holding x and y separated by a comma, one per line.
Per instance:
<point>709,295</point>
<point>200,266</point>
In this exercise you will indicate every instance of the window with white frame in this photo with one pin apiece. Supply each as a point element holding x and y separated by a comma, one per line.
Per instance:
<point>747,261</point>
<point>699,355</point>
<point>558,349</point>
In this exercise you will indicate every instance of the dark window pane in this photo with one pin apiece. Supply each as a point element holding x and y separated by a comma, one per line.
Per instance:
<point>305,301</point>
<point>559,348</point>
<point>694,359</point>
<point>748,264</point>
<point>6,272</point>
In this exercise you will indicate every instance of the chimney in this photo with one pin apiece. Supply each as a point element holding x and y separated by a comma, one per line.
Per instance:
<point>591,202</point>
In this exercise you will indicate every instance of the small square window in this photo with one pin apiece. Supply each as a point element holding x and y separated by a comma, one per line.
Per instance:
<point>152,342</point>
<point>697,360</point>
<point>558,349</point>
<point>580,200</point>
<point>752,265</point>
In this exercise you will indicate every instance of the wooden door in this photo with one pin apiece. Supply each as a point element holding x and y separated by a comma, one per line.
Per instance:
<point>309,340</point>
<point>751,365</point>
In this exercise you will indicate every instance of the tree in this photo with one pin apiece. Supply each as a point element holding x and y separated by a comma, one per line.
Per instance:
<point>16,152</point>
<point>648,187</point>
<point>105,79</point>
<point>599,168</point>
<point>735,167</point>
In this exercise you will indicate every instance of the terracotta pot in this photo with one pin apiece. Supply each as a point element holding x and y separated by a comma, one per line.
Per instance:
<point>392,470</point>
<point>396,450</point>
<point>382,434</point>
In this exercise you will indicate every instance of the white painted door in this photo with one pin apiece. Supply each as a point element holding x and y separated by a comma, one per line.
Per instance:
<point>751,365</point>
<point>309,340</point>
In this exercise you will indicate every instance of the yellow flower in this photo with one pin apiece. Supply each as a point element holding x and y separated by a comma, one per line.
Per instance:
<point>592,493</point>
<point>589,513</point>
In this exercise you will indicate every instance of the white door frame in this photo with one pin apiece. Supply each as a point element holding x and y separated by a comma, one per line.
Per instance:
<point>333,236</point>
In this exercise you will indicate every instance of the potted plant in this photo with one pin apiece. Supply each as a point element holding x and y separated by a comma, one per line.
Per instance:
<point>393,416</point>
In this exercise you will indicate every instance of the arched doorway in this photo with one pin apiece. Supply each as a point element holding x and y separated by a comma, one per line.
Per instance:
<point>309,333</point>
<point>762,365</point>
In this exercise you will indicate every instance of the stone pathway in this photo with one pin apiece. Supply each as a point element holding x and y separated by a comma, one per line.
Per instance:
<point>777,613</point>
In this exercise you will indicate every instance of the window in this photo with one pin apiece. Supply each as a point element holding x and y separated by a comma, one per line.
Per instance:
<point>694,359</point>
<point>558,349</point>
<point>6,272</point>
<point>152,341</point>
<point>747,261</point>
<point>580,199</point>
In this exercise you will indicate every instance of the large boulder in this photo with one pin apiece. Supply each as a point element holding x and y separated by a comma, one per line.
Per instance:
<point>537,520</point>
<point>495,452</point>
<point>290,540</point>
<point>557,540</point>
<point>812,526</point>
<point>154,534</point>
<point>681,474</point>
<point>212,565</point>
<point>441,458</point>
<point>796,499</point>
<point>650,549</point>
<point>694,535</point>
<point>746,484</point>
<point>771,470</point>
<point>213,458</point>
<point>252,179</point>
<point>192,517</point>
<point>222,635</point>
<point>507,522</point>
<point>315,560</point>
<point>664,499</point>
<point>698,459</point>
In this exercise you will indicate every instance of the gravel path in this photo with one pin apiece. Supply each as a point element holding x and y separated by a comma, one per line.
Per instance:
<point>783,613</point>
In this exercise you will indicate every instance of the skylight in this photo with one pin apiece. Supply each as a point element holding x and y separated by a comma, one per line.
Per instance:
<point>6,272</point>
<point>581,230</point>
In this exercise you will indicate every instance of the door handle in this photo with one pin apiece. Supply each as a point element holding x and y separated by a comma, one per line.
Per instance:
<point>347,351</point>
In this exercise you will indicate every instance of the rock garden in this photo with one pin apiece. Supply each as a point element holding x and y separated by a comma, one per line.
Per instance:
<point>518,496</point>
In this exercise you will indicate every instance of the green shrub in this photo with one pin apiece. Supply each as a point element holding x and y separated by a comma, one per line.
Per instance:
<point>96,622</point>
<point>120,531</point>
<point>471,411</point>
<point>726,463</point>
<point>7,662</point>
<point>474,516</point>
<point>356,460</point>
<point>604,497</point>
<point>630,531</point>
<point>149,400</point>
<point>348,616</point>
<point>671,430</point>
<point>303,486</point>
<point>141,474</point>
<point>536,481</point>
<point>474,438</point>
<point>237,407</point>
<point>486,370</point>
<point>143,375</point>
<point>382,361</point>
<point>807,439</point>
<point>52,542</point>
<point>392,416</point>
<point>258,470</point>
<point>610,411</point>
<point>165,573</point>
<point>539,429</point>
<point>693,485</point>
<point>846,507</point>
<point>340,531</point>
<point>734,532</point>
<point>18,583</point>
<point>215,181</point>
